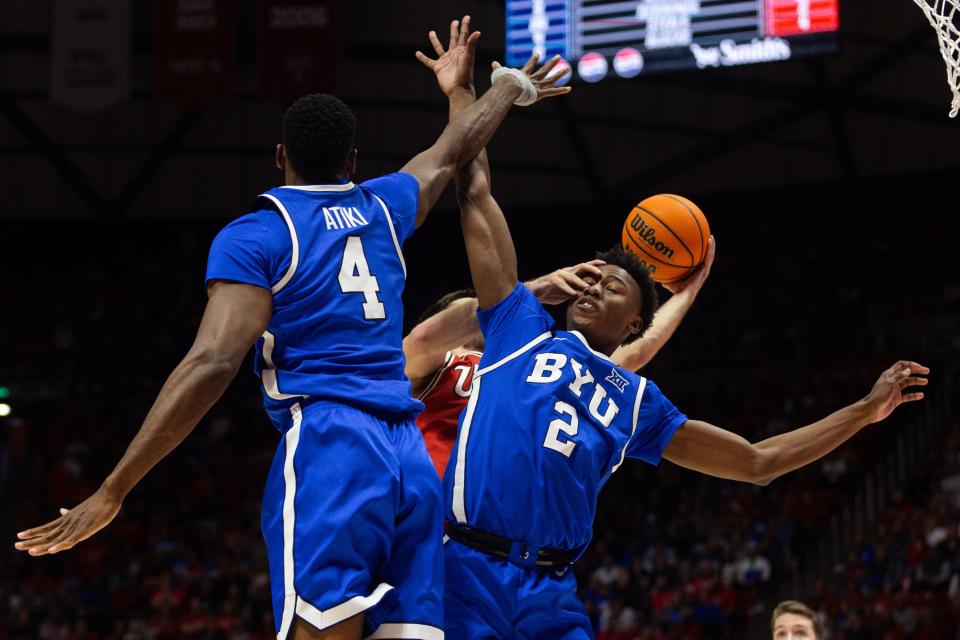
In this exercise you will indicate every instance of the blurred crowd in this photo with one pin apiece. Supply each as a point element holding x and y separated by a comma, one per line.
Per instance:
<point>707,559</point>
<point>902,579</point>
<point>675,555</point>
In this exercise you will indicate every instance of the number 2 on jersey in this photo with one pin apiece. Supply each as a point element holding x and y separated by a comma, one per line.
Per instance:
<point>355,277</point>
<point>553,441</point>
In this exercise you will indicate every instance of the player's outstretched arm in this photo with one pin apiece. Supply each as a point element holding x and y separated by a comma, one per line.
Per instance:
<point>469,132</point>
<point>490,250</point>
<point>235,316</point>
<point>638,353</point>
<point>426,346</point>
<point>714,451</point>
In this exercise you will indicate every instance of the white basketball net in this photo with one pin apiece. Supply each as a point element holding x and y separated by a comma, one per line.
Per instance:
<point>944,16</point>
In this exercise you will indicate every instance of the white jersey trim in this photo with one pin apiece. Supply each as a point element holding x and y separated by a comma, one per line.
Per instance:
<point>393,234</point>
<point>269,373</point>
<point>447,359</point>
<point>459,505</point>
<point>636,415</point>
<point>403,631</point>
<point>519,352</point>
<point>294,245</point>
<point>335,615</point>
<point>321,187</point>
<point>291,439</point>
<point>583,339</point>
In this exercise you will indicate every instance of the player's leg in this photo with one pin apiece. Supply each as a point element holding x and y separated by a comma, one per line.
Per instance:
<point>415,566</point>
<point>328,518</point>
<point>480,594</point>
<point>351,629</point>
<point>548,607</point>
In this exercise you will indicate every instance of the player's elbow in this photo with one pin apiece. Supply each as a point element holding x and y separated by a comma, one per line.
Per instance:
<point>760,467</point>
<point>212,364</point>
<point>419,339</point>
<point>473,191</point>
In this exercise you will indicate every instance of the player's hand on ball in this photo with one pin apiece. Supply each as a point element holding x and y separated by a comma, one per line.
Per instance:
<point>542,80</point>
<point>73,526</point>
<point>566,283</point>
<point>694,282</point>
<point>890,391</point>
<point>454,65</point>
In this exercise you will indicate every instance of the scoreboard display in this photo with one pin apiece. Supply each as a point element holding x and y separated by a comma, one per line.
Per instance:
<point>600,39</point>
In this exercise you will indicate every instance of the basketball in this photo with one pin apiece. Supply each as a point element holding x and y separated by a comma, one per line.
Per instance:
<point>669,234</point>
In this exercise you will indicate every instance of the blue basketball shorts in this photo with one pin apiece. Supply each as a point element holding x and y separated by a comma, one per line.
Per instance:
<point>489,598</point>
<point>353,523</point>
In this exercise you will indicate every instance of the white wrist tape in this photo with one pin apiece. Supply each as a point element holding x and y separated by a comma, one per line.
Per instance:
<point>529,94</point>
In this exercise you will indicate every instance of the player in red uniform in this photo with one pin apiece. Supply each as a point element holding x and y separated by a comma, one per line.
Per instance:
<point>444,348</point>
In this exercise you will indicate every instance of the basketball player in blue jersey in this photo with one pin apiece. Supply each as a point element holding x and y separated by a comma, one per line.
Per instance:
<point>352,512</point>
<point>551,417</point>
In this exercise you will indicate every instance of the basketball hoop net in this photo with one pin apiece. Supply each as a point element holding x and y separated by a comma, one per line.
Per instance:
<point>944,16</point>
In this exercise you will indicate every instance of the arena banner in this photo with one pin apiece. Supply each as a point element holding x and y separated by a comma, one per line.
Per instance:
<point>299,47</point>
<point>194,49</point>
<point>90,53</point>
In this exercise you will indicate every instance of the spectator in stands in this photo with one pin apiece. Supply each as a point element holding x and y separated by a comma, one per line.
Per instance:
<point>754,568</point>
<point>610,574</point>
<point>793,620</point>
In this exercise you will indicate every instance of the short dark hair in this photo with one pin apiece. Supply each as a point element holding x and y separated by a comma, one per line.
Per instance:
<point>641,275</point>
<point>319,131</point>
<point>800,609</point>
<point>445,302</point>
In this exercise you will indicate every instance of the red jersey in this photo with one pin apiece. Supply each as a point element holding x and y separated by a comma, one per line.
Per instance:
<point>444,398</point>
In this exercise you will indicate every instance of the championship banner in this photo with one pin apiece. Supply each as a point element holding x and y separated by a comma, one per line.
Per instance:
<point>299,47</point>
<point>195,49</point>
<point>90,53</point>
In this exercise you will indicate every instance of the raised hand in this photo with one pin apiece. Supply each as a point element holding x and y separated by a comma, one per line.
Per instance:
<point>454,65</point>
<point>888,392</point>
<point>542,79</point>
<point>73,526</point>
<point>694,281</point>
<point>563,284</point>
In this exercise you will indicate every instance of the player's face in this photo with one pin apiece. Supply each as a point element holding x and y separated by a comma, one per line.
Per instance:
<point>608,310</point>
<point>790,626</point>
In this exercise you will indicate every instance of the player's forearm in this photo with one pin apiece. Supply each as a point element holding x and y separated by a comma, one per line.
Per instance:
<point>790,451</point>
<point>460,99</point>
<point>455,325</point>
<point>475,125</point>
<point>429,341</point>
<point>490,251</point>
<point>193,387</point>
<point>668,317</point>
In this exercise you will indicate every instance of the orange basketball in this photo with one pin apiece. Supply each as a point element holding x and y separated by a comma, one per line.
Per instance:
<point>669,234</point>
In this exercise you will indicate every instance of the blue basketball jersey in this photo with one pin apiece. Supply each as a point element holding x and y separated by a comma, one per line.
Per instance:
<point>331,256</point>
<point>548,421</point>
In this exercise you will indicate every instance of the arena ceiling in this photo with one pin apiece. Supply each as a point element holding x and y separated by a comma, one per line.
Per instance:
<point>877,108</point>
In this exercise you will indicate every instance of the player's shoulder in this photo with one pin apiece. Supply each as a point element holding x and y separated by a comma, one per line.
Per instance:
<point>470,356</point>
<point>246,225</point>
<point>520,298</point>
<point>391,183</point>
<point>261,227</point>
<point>652,394</point>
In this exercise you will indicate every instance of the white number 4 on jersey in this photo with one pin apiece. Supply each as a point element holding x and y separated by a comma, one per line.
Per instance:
<point>355,277</point>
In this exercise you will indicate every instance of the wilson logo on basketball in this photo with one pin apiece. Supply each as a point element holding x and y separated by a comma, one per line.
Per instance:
<point>648,235</point>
